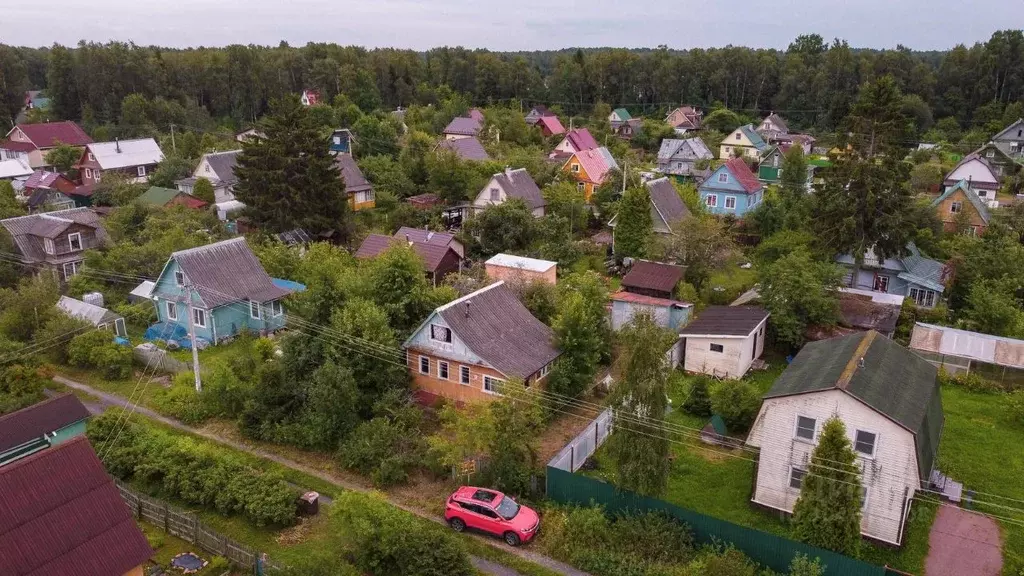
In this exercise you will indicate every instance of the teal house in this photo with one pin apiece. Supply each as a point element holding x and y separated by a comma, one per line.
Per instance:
<point>731,189</point>
<point>769,170</point>
<point>341,141</point>
<point>230,292</point>
<point>37,427</point>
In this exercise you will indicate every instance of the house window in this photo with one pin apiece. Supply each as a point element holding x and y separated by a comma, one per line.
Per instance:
<point>141,170</point>
<point>775,161</point>
<point>440,334</point>
<point>864,442</point>
<point>728,149</point>
<point>179,278</point>
<point>796,478</point>
<point>75,241</point>
<point>575,167</point>
<point>254,310</point>
<point>545,370</point>
<point>172,311</point>
<point>495,195</point>
<point>199,317</point>
<point>805,427</point>
<point>491,384</point>
<point>723,177</point>
<point>717,348</point>
<point>71,268</point>
<point>48,245</point>
<point>738,136</point>
<point>88,173</point>
<point>275,308</point>
<point>990,154</point>
<point>730,202</point>
<point>580,186</point>
<point>337,140</point>
<point>982,193</point>
<point>206,167</point>
<point>679,165</point>
<point>464,375</point>
<point>711,200</point>
<point>955,207</point>
<point>863,497</point>
<point>96,175</point>
<point>780,172</point>
<point>881,284</point>
<point>442,370</point>
<point>922,297</point>
<point>424,365</point>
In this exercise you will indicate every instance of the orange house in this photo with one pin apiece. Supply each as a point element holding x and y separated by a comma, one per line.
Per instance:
<point>961,199</point>
<point>467,348</point>
<point>590,168</point>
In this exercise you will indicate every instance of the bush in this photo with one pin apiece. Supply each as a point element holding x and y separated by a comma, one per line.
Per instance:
<point>181,401</point>
<point>217,566</point>
<point>737,402</point>
<point>803,566</point>
<point>383,449</point>
<point>970,381</point>
<point>698,400</point>
<point>139,314</point>
<point>1015,404</point>
<point>723,562</point>
<point>56,335</point>
<point>97,349</point>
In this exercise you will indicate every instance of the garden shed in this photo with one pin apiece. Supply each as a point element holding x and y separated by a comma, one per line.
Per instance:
<point>96,315</point>
<point>995,358</point>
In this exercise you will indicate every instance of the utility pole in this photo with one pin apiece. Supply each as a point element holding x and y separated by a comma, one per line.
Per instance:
<point>625,167</point>
<point>192,337</point>
<point>173,145</point>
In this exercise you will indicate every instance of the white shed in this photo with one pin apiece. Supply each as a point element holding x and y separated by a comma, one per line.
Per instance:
<point>724,340</point>
<point>96,315</point>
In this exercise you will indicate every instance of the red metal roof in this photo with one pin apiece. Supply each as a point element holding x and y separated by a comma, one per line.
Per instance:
<point>34,421</point>
<point>623,296</point>
<point>743,175</point>
<point>552,124</point>
<point>49,134</point>
<point>17,146</point>
<point>61,514</point>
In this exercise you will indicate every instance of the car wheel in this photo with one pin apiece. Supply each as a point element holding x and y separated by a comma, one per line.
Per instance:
<point>511,538</point>
<point>457,524</point>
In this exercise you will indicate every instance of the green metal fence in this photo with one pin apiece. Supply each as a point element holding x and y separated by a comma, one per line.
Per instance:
<point>769,550</point>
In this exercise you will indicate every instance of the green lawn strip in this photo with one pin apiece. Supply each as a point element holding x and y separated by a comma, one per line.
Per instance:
<point>140,390</point>
<point>983,448</point>
<point>909,557</point>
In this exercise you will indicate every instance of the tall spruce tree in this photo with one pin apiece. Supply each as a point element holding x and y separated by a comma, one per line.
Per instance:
<point>862,204</point>
<point>827,513</point>
<point>639,447</point>
<point>633,226</point>
<point>289,179</point>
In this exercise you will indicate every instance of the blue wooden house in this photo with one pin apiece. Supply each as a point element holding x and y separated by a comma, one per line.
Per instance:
<point>341,141</point>
<point>731,189</point>
<point>230,292</point>
<point>912,276</point>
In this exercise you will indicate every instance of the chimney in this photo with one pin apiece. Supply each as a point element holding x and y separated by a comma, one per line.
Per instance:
<point>409,240</point>
<point>117,145</point>
<point>467,308</point>
<point>508,171</point>
<point>860,362</point>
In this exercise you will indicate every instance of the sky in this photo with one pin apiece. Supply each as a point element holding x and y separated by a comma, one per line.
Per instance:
<point>505,25</point>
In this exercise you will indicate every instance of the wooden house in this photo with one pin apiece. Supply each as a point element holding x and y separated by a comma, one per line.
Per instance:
<point>679,157</point>
<point>56,242</point>
<point>731,189</point>
<point>589,169</point>
<point>134,159</point>
<point>921,279</point>
<point>743,141</point>
<point>511,184</point>
<point>36,140</point>
<point>685,119</point>
<point>979,175</point>
<point>960,199</point>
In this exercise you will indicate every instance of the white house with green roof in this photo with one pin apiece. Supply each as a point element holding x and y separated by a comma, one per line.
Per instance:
<point>743,141</point>
<point>887,397</point>
<point>618,117</point>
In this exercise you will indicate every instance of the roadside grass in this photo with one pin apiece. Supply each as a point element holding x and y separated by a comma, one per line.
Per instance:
<point>124,388</point>
<point>983,448</point>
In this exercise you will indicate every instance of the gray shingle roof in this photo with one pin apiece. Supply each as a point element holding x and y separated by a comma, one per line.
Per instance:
<point>465,148</point>
<point>893,381</point>
<point>726,321</point>
<point>688,148</point>
<point>27,231</point>
<point>223,165</point>
<point>519,184</point>
<point>495,326</point>
<point>666,205</point>
<point>463,126</point>
<point>353,176</point>
<point>226,272</point>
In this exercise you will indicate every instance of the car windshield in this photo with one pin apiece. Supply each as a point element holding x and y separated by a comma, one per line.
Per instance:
<point>507,508</point>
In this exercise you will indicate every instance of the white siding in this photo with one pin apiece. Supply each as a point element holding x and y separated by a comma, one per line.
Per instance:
<point>891,476</point>
<point>483,199</point>
<point>732,362</point>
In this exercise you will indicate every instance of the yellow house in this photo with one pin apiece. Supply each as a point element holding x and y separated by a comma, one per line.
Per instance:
<point>742,141</point>
<point>357,187</point>
<point>590,168</point>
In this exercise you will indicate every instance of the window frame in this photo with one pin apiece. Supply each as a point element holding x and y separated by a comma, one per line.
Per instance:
<point>91,156</point>
<point>197,314</point>
<point>433,338</point>
<point>727,199</point>
<point>74,269</point>
<point>881,284</point>
<point>171,309</point>
<point>713,345</point>
<point>421,366</point>
<point>874,443</point>
<point>48,246</point>
<point>492,389</point>
<point>179,274</point>
<point>447,372</point>
<point>955,207</point>
<point>574,168</point>
<point>465,375</point>
<point>723,178</point>
<point>253,305</point>
<point>494,194</point>
<point>276,304</point>
<point>76,236</point>
<point>141,171</point>
<point>711,200</point>
<point>795,471</point>
<point>797,428</point>
<point>544,371</point>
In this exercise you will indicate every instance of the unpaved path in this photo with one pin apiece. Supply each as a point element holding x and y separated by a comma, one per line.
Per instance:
<point>963,543</point>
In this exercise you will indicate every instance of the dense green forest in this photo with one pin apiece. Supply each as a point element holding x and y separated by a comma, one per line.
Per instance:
<point>813,82</point>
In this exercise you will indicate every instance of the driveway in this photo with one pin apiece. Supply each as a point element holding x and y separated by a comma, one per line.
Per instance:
<point>963,543</point>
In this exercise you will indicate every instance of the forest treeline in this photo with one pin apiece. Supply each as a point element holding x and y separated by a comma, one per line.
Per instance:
<point>813,82</point>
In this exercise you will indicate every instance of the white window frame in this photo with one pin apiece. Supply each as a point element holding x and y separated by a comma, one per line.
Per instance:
<point>440,327</point>
<point>88,173</point>
<point>465,375</point>
<point>255,307</point>
<point>427,370</point>
<point>792,470</point>
<point>141,171</point>
<point>172,310</point>
<point>956,207</point>
<point>544,371</point>
<point>982,193</point>
<point>91,157</point>
<point>990,154</point>
<point>77,236</point>
<point>867,495</point>
<point>197,315</point>
<point>491,379</point>
<point>581,186</point>
<point>48,246</point>
<point>723,177</point>
<point>495,194</point>
<point>874,444</point>
<point>179,278</point>
<point>447,373</point>
<point>796,429</point>
<point>575,167</point>
<point>74,269</point>
<point>711,200</point>
<point>881,284</point>
<point>276,309</point>
<point>96,175</point>
<point>727,202</point>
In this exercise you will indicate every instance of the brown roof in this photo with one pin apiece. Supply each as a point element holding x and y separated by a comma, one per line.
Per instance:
<point>353,176</point>
<point>45,417</point>
<point>226,272</point>
<point>862,313</point>
<point>653,276</point>
<point>726,321</point>
<point>50,134</point>
<point>61,514</point>
<point>495,326</point>
<point>431,253</point>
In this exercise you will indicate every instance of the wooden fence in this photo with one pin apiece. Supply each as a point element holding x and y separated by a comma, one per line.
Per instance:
<point>186,525</point>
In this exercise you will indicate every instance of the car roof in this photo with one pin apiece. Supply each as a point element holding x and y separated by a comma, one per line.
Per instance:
<point>482,495</point>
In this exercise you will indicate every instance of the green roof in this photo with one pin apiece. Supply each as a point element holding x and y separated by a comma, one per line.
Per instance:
<point>623,113</point>
<point>973,198</point>
<point>719,425</point>
<point>157,196</point>
<point>893,381</point>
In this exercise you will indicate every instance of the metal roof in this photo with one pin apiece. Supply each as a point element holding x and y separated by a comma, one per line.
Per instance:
<point>997,350</point>
<point>521,262</point>
<point>126,153</point>
<point>46,417</point>
<point>91,313</point>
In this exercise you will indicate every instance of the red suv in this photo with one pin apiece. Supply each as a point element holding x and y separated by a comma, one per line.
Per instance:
<point>491,511</point>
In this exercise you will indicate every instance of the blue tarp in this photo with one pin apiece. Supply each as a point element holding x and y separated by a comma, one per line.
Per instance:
<point>288,285</point>
<point>170,331</point>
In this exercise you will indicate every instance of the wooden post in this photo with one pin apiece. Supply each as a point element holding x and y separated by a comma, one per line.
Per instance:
<point>167,518</point>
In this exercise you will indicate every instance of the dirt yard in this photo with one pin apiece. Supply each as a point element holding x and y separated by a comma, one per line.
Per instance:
<point>963,543</point>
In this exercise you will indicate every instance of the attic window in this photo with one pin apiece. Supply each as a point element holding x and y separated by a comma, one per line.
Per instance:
<point>723,177</point>
<point>179,278</point>
<point>805,427</point>
<point>495,195</point>
<point>575,167</point>
<point>738,136</point>
<point>990,154</point>
<point>75,241</point>
<point>955,207</point>
<point>864,442</point>
<point>206,168</point>
<point>91,157</point>
<point>440,334</point>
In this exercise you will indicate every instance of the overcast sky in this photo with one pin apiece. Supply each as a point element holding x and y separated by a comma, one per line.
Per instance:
<point>509,25</point>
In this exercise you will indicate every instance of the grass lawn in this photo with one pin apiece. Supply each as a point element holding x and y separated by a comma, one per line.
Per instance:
<point>983,448</point>
<point>166,547</point>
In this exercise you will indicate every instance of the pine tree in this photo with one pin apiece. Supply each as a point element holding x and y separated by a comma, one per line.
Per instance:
<point>827,514</point>
<point>639,448</point>
<point>633,226</point>
<point>289,179</point>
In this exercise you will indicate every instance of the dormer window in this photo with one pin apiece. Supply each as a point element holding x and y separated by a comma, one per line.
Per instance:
<point>48,245</point>
<point>75,241</point>
<point>91,157</point>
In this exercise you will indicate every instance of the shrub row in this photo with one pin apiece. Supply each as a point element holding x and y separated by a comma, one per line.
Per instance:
<point>194,472</point>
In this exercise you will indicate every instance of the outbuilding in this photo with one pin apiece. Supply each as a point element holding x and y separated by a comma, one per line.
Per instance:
<point>724,340</point>
<point>521,269</point>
